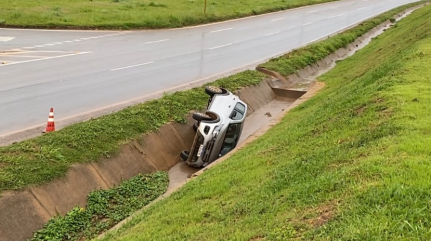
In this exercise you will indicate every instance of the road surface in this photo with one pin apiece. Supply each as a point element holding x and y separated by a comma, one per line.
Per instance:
<point>78,72</point>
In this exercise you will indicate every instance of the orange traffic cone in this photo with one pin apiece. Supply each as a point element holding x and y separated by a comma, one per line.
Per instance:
<point>50,126</point>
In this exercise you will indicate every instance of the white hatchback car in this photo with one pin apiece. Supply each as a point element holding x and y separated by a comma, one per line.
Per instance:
<point>218,129</point>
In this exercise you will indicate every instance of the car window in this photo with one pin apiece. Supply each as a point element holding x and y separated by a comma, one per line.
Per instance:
<point>240,107</point>
<point>238,112</point>
<point>231,138</point>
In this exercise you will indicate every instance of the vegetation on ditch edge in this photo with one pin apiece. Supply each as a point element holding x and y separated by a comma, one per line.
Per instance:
<point>104,209</point>
<point>351,163</point>
<point>298,59</point>
<point>133,14</point>
<point>47,157</point>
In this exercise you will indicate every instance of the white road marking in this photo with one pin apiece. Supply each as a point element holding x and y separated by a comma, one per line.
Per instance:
<point>269,34</point>
<point>220,30</point>
<point>5,39</point>
<point>221,46</point>
<point>85,38</point>
<point>77,40</point>
<point>277,19</point>
<point>34,60</point>
<point>49,44</point>
<point>46,51</point>
<point>59,30</point>
<point>58,43</point>
<point>158,41</point>
<point>305,24</point>
<point>23,56</point>
<point>360,8</point>
<point>315,11</point>
<point>131,66</point>
<point>341,14</point>
<point>39,46</point>
<point>68,41</point>
<point>331,17</point>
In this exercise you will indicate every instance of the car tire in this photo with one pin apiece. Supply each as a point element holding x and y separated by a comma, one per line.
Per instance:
<point>213,90</point>
<point>184,155</point>
<point>201,116</point>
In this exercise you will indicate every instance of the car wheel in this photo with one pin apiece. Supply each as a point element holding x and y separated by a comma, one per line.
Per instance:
<point>201,116</point>
<point>213,90</point>
<point>184,155</point>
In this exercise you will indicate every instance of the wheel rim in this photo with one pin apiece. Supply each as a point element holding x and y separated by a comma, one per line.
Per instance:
<point>215,89</point>
<point>203,115</point>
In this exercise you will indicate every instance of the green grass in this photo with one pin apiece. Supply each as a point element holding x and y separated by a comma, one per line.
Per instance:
<point>352,163</point>
<point>47,157</point>
<point>104,209</point>
<point>298,59</point>
<point>126,14</point>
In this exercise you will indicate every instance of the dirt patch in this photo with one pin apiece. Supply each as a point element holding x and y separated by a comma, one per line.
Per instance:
<point>359,111</point>
<point>258,238</point>
<point>325,213</point>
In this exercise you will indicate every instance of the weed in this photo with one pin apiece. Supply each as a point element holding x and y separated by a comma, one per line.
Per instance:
<point>104,209</point>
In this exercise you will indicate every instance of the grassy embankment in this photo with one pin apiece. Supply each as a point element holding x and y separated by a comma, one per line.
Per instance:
<point>352,163</point>
<point>126,14</point>
<point>47,157</point>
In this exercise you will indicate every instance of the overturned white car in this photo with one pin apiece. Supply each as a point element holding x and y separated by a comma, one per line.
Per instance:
<point>218,129</point>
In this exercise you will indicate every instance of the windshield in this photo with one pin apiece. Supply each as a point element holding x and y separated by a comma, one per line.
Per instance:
<point>231,138</point>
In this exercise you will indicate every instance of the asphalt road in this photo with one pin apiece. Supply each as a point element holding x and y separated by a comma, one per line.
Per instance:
<point>78,72</point>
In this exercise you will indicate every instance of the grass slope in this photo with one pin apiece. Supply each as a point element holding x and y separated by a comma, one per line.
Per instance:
<point>125,14</point>
<point>352,163</point>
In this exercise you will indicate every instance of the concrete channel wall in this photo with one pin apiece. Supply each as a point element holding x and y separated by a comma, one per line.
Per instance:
<point>26,211</point>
